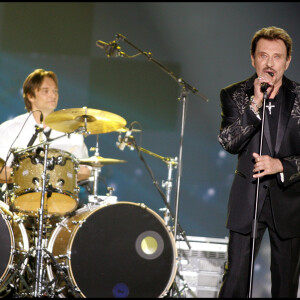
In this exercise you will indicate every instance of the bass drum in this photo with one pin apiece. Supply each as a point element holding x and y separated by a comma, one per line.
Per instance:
<point>115,250</point>
<point>14,244</point>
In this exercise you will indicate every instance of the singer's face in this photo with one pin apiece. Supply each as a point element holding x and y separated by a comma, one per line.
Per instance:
<point>46,97</point>
<point>271,56</point>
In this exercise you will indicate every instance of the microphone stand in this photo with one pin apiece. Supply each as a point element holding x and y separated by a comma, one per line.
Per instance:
<point>254,224</point>
<point>185,88</point>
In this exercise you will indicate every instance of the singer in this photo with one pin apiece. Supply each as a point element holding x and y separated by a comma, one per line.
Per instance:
<point>40,93</point>
<point>278,167</point>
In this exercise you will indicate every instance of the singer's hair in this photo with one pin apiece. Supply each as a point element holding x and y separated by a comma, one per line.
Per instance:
<point>272,33</point>
<point>33,81</point>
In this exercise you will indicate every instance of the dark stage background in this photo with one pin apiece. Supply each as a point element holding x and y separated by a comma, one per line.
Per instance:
<point>206,43</point>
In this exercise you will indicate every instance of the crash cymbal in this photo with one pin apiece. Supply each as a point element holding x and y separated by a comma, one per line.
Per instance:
<point>97,121</point>
<point>125,129</point>
<point>99,161</point>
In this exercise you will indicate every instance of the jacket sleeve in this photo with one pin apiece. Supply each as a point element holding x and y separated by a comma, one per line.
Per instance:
<point>239,123</point>
<point>291,169</point>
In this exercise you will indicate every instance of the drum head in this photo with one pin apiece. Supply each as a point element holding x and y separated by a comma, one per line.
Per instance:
<point>123,250</point>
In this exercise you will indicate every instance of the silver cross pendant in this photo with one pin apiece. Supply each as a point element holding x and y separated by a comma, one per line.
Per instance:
<point>270,106</point>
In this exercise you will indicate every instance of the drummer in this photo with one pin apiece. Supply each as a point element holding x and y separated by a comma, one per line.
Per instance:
<point>40,93</point>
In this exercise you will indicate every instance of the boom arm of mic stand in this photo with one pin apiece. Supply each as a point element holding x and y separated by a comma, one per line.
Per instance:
<point>164,68</point>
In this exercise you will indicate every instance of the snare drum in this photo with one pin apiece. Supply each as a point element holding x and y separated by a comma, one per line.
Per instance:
<point>61,196</point>
<point>115,250</point>
<point>14,244</point>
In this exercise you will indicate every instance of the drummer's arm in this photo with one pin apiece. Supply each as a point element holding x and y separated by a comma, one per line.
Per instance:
<point>83,173</point>
<point>5,175</point>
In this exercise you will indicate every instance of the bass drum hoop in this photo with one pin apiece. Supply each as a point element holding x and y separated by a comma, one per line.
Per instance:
<point>6,214</point>
<point>65,249</point>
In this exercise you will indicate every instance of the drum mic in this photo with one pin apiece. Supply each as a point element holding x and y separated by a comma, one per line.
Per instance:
<point>112,49</point>
<point>123,142</point>
<point>37,130</point>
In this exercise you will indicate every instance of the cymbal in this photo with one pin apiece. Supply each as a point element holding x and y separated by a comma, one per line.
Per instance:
<point>97,121</point>
<point>125,129</point>
<point>99,161</point>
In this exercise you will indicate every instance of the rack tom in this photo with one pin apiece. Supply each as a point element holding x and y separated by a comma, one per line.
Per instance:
<point>61,193</point>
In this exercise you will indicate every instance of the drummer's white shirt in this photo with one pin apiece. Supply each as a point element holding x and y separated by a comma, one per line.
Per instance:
<point>13,136</point>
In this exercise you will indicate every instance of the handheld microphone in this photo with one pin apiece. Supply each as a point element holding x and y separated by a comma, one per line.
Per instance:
<point>112,49</point>
<point>265,86</point>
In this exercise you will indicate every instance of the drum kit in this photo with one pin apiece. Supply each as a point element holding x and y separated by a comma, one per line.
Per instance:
<point>52,247</point>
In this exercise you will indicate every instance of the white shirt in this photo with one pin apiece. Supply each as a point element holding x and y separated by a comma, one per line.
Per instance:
<point>13,136</point>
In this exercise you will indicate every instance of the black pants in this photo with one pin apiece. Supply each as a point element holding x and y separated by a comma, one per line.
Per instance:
<point>285,261</point>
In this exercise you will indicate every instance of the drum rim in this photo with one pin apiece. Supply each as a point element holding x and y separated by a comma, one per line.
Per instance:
<point>27,153</point>
<point>25,240</point>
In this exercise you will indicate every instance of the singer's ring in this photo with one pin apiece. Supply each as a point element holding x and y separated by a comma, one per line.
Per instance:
<point>258,159</point>
<point>259,78</point>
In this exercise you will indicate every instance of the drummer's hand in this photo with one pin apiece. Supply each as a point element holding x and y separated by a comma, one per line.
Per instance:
<point>5,175</point>
<point>83,173</point>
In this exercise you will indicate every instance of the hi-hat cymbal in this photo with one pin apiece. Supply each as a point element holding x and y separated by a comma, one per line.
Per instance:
<point>97,121</point>
<point>99,161</point>
<point>125,129</point>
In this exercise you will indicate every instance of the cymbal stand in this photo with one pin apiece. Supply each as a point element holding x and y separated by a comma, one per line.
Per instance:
<point>96,171</point>
<point>171,163</point>
<point>39,248</point>
<point>131,143</point>
<point>39,256</point>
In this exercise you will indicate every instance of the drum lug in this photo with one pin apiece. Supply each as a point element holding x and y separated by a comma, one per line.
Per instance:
<point>78,222</point>
<point>61,256</point>
<point>64,225</point>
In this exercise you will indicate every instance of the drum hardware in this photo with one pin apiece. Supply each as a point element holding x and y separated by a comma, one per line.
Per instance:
<point>171,163</point>
<point>39,257</point>
<point>96,162</point>
<point>41,286</point>
<point>64,225</point>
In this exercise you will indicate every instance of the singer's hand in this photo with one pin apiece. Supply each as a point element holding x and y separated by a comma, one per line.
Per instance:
<point>258,93</point>
<point>266,165</point>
